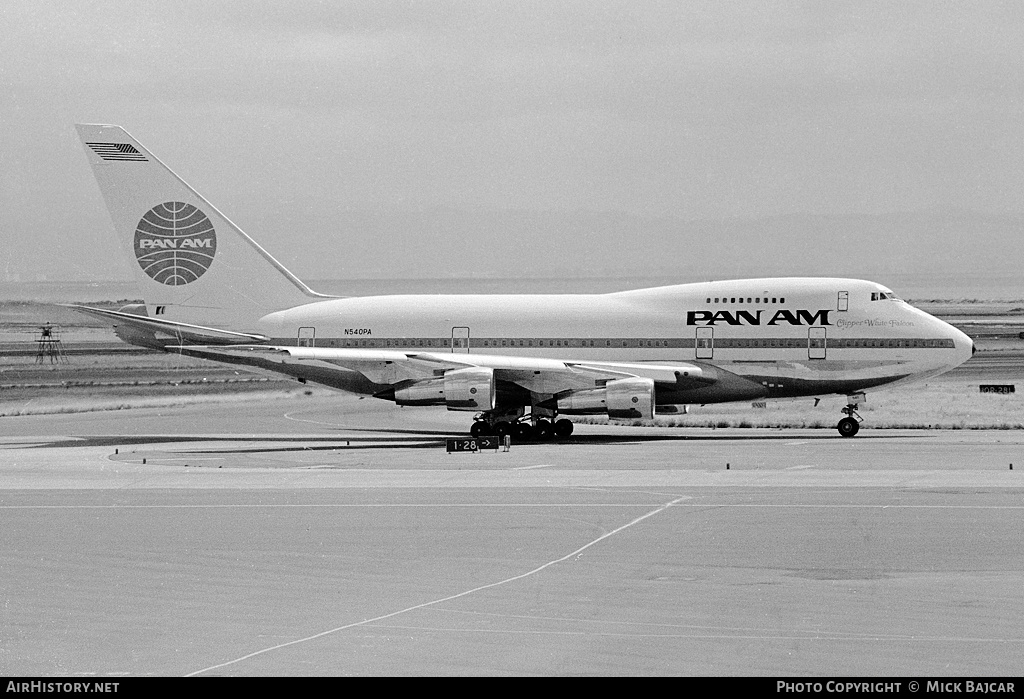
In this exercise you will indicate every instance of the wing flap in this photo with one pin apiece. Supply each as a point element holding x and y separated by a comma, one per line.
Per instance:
<point>676,374</point>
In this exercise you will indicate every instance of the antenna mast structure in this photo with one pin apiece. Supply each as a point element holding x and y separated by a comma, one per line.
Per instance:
<point>50,346</point>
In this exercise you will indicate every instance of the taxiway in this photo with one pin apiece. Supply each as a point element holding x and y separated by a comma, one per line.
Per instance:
<point>320,537</point>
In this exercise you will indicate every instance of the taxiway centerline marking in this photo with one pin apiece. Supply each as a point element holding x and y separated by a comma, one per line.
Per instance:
<point>514,578</point>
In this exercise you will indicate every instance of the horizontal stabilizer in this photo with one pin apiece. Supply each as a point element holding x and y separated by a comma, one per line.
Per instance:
<point>182,332</point>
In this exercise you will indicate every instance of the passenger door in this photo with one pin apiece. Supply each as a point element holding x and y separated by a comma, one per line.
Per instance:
<point>460,340</point>
<point>705,343</point>
<point>816,343</point>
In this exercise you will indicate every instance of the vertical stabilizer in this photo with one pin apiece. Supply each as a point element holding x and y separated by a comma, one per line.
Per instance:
<point>192,264</point>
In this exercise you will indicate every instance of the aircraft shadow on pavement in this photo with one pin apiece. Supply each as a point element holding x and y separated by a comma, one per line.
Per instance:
<point>420,439</point>
<point>135,440</point>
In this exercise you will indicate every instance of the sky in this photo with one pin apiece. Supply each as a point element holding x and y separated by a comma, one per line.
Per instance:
<point>460,139</point>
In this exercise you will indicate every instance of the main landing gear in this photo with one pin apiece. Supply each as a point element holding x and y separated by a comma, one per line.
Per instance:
<point>520,427</point>
<point>850,425</point>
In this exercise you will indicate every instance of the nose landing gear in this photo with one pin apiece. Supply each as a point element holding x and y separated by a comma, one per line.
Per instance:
<point>850,425</point>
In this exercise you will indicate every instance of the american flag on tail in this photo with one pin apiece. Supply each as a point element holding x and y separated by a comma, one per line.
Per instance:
<point>117,151</point>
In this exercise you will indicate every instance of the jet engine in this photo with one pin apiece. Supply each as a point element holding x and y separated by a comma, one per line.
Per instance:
<point>460,389</point>
<point>621,398</point>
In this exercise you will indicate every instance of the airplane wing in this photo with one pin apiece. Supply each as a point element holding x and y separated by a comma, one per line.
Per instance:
<point>393,367</point>
<point>459,381</point>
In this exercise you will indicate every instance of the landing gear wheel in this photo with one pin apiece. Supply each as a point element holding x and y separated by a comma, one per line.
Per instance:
<point>848,427</point>
<point>543,430</point>
<point>480,429</point>
<point>503,428</point>
<point>563,428</point>
<point>524,431</point>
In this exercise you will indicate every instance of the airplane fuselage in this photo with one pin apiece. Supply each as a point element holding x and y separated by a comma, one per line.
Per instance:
<point>786,337</point>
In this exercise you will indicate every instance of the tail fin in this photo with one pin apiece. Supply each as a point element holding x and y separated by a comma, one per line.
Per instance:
<point>191,263</point>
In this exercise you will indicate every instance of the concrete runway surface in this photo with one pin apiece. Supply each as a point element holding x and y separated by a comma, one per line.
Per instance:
<point>336,537</point>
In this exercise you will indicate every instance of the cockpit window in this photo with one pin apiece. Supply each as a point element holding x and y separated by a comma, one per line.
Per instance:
<point>884,296</point>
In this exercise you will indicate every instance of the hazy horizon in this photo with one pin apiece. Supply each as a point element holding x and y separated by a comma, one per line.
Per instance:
<point>534,139</point>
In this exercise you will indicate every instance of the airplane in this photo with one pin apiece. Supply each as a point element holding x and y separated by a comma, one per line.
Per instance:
<point>521,363</point>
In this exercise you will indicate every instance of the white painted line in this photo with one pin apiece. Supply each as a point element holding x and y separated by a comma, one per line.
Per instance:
<point>536,570</point>
<point>800,467</point>
<point>529,468</point>
<point>181,458</point>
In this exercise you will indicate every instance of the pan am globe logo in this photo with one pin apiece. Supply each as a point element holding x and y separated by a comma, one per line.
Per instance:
<point>175,243</point>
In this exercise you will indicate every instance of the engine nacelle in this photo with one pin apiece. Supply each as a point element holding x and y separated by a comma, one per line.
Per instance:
<point>631,398</point>
<point>470,389</point>
<point>426,392</point>
<point>622,398</point>
<point>461,389</point>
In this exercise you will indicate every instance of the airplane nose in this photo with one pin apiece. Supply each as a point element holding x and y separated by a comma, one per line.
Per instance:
<point>962,343</point>
<point>963,346</point>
